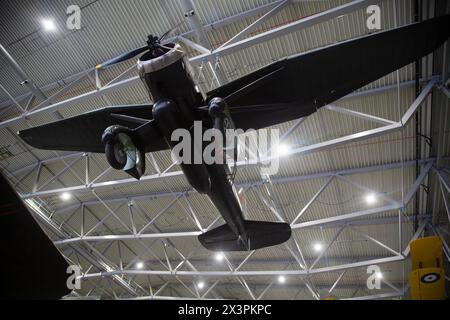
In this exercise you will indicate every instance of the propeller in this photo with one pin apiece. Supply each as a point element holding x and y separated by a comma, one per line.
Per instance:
<point>153,45</point>
<point>122,57</point>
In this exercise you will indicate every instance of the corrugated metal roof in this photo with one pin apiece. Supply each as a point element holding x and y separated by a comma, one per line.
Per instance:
<point>112,27</point>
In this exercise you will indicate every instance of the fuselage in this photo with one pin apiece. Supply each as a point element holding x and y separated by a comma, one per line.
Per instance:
<point>175,96</point>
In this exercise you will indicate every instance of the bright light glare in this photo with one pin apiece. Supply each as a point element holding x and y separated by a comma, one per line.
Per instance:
<point>220,257</point>
<point>379,275</point>
<point>65,196</point>
<point>317,247</point>
<point>109,183</point>
<point>48,25</point>
<point>201,285</point>
<point>283,149</point>
<point>140,265</point>
<point>371,198</point>
<point>281,279</point>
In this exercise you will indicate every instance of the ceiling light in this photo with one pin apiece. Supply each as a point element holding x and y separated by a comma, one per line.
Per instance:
<point>201,285</point>
<point>65,196</point>
<point>317,247</point>
<point>220,256</point>
<point>140,265</point>
<point>371,198</point>
<point>282,149</point>
<point>281,279</point>
<point>48,25</point>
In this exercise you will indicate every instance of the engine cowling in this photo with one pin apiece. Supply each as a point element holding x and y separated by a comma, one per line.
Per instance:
<point>122,152</point>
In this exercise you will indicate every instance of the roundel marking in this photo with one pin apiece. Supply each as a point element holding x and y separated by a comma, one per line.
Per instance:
<point>430,278</point>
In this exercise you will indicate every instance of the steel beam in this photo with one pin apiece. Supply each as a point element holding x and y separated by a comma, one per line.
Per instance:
<point>187,234</point>
<point>62,91</point>
<point>337,281</point>
<point>191,15</point>
<point>324,186</point>
<point>209,261</point>
<point>49,87</point>
<point>378,296</point>
<point>72,101</point>
<point>17,104</point>
<point>445,198</point>
<point>327,247</point>
<point>169,298</point>
<point>379,243</point>
<point>286,29</point>
<point>208,27</point>
<point>135,80</point>
<point>194,21</point>
<point>88,256</point>
<point>418,102</point>
<point>252,27</point>
<point>235,18</point>
<point>366,189</point>
<point>193,45</point>
<point>153,220</point>
<point>353,137</point>
<point>446,247</point>
<point>412,191</point>
<point>415,237</point>
<point>445,90</point>
<point>56,176</point>
<point>360,115</point>
<point>24,79</point>
<point>357,136</point>
<point>368,212</point>
<point>129,237</point>
<point>387,88</point>
<point>444,180</point>
<point>44,162</point>
<point>131,181</point>
<point>220,274</point>
<point>345,217</point>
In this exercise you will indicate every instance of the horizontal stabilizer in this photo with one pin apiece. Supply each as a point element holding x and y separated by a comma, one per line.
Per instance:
<point>260,235</point>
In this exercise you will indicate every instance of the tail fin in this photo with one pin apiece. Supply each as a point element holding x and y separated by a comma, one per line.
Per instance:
<point>260,235</point>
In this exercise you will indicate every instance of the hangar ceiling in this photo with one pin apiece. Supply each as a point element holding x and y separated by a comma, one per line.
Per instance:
<point>348,183</point>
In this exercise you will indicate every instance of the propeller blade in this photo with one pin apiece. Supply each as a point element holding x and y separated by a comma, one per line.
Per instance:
<point>171,30</point>
<point>122,57</point>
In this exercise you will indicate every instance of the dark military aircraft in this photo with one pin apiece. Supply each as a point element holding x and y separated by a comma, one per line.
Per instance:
<point>289,89</point>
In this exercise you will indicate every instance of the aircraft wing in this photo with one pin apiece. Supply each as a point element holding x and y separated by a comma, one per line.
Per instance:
<point>84,132</point>
<point>295,87</point>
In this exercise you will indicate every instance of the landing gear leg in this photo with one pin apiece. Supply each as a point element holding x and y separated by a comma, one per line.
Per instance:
<point>222,121</point>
